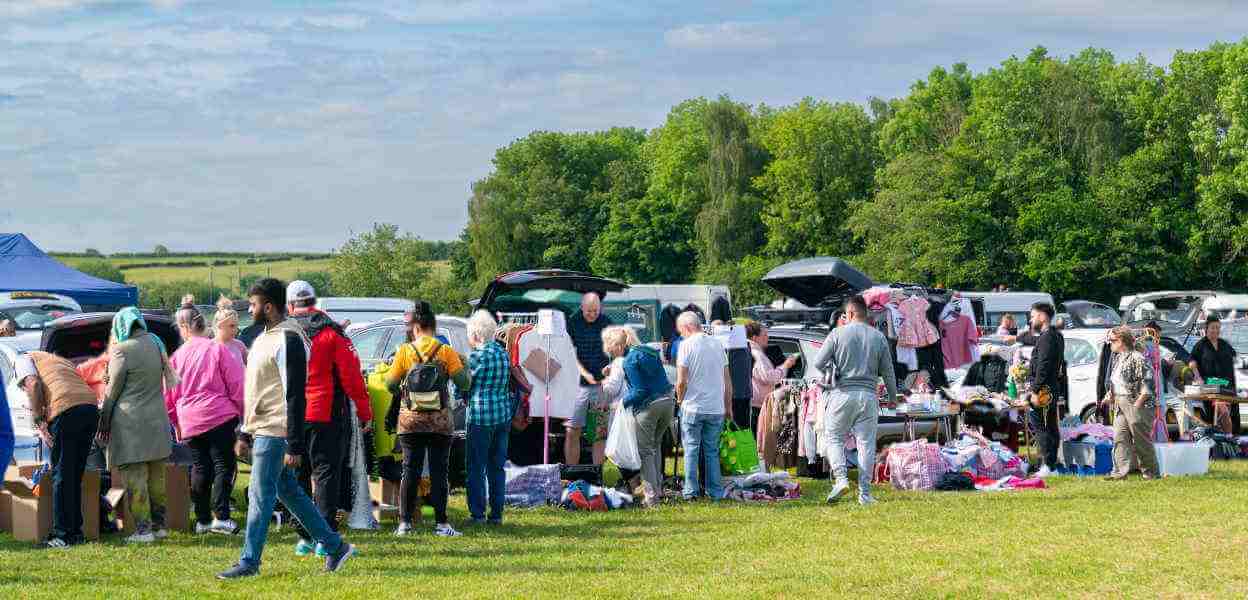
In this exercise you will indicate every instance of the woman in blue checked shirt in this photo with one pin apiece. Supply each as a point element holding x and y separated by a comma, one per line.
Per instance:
<point>489,418</point>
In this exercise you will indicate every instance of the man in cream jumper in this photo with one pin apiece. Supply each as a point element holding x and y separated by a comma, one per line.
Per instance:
<point>273,411</point>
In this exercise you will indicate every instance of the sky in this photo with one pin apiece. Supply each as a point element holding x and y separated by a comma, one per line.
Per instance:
<point>249,125</point>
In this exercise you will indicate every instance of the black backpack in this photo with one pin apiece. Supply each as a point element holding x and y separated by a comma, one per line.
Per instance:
<point>424,386</point>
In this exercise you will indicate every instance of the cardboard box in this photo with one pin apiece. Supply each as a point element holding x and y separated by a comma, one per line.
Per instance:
<point>385,495</point>
<point>29,514</point>
<point>177,500</point>
<point>6,511</point>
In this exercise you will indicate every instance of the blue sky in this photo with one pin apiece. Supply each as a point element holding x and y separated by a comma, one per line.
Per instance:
<point>250,125</point>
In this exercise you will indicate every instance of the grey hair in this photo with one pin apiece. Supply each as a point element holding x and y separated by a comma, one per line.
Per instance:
<point>688,319</point>
<point>481,326</point>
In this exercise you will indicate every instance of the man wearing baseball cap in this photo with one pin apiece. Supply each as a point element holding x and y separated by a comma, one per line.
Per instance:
<point>335,383</point>
<point>65,411</point>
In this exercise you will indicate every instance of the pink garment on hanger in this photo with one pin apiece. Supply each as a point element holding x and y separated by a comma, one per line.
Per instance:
<point>958,339</point>
<point>876,298</point>
<point>916,330</point>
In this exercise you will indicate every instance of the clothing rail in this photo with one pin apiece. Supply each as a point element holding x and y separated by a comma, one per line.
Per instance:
<point>520,318</point>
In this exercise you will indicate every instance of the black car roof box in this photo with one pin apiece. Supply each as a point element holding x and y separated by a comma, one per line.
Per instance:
<point>815,281</point>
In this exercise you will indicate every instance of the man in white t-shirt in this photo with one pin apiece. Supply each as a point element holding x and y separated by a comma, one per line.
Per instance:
<point>705,397</point>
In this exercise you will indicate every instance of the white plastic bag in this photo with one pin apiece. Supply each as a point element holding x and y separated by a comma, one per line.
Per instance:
<point>622,440</point>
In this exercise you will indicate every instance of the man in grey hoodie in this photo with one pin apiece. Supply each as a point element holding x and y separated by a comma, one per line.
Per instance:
<point>855,356</point>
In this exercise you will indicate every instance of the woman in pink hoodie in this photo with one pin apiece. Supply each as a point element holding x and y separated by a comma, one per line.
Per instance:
<point>205,408</point>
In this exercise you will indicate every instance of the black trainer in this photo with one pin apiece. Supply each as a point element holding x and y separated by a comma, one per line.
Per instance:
<point>335,561</point>
<point>238,571</point>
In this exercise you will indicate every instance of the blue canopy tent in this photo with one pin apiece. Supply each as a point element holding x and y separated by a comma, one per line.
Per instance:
<point>24,267</point>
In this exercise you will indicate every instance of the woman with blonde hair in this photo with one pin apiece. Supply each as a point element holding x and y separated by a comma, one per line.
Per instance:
<point>1133,402</point>
<point>648,393</point>
<point>225,326</point>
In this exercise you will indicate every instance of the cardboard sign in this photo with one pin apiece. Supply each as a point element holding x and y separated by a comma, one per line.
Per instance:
<point>732,337</point>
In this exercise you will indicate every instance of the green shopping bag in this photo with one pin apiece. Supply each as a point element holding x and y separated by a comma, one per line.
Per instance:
<point>738,453</point>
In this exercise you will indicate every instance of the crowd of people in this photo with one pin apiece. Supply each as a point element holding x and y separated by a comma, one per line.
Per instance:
<point>291,400</point>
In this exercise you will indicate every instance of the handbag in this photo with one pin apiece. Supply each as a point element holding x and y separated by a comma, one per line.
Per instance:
<point>542,365</point>
<point>738,452</point>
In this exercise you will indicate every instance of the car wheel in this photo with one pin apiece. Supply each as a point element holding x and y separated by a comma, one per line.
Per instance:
<point>1088,414</point>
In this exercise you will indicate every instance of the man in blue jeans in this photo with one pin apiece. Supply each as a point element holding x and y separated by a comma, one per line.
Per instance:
<point>274,403</point>
<point>705,397</point>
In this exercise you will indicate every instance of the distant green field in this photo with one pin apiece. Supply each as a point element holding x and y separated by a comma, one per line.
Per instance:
<point>224,276</point>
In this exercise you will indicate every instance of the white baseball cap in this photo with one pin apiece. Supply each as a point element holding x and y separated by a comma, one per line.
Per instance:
<point>24,367</point>
<point>299,290</point>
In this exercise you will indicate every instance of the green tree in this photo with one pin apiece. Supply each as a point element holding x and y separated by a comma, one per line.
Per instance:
<point>321,281</point>
<point>380,263</point>
<point>823,159</point>
<point>161,250</point>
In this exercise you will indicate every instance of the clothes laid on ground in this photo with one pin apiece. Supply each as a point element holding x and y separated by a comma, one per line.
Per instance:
<point>535,485</point>
<point>580,495</point>
<point>955,482</point>
<point>762,487</point>
<point>974,454</point>
<point>1008,483</point>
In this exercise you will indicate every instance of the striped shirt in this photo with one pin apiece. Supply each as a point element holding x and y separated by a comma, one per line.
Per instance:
<point>489,397</point>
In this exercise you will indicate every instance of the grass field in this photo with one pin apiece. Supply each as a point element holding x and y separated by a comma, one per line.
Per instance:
<point>1083,538</point>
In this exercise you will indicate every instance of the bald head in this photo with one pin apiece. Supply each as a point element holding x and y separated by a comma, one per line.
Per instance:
<point>591,307</point>
<point>688,324</point>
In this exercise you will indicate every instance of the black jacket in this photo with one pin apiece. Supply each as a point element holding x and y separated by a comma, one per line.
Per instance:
<point>1048,363</point>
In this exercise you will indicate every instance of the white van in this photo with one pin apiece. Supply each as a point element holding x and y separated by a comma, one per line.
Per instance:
<point>1226,306</point>
<point>999,304</point>
<point>704,296</point>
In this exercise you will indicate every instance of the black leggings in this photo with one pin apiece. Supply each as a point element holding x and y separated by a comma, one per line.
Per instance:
<point>213,470</point>
<point>414,446</point>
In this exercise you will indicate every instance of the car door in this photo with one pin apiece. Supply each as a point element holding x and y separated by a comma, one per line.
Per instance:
<point>369,344</point>
<point>1082,362</point>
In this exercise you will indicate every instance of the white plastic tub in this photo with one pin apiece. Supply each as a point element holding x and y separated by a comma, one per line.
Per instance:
<point>1183,458</point>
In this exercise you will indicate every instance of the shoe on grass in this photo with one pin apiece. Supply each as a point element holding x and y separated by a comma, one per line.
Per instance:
<point>224,527</point>
<point>304,548</point>
<point>161,533</point>
<point>145,537</point>
<point>445,530</point>
<point>404,529</point>
<point>238,571</point>
<point>321,551</point>
<point>56,542</point>
<point>202,528</point>
<point>838,490</point>
<point>865,499</point>
<point>1044,473</point>
<point>334,562</point>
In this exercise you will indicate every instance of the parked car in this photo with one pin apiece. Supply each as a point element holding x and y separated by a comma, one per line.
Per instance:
<point>1177,312</point>
<point>378,342</point>
<point>1082,314</point>
<point>26,439</point>
<point>32,311</point>
<point>999,304</point>
<point>356,313</point>
<point>1226,306</point>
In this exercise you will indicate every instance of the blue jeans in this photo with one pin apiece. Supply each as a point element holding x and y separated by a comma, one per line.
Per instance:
<point>487,452</point>
<point>272,481</point>
<point>700,435</point>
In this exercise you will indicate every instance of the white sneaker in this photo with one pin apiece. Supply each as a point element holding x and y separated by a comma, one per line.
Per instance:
<point>227,527</point>
<point>1044,472</point>
<point>865,499</point>
<point>404,530</point>
<point>141,538</point>
<point>202,528</point>
<point>445,530</point>
<point>838,490</point>
<point>161,533</point>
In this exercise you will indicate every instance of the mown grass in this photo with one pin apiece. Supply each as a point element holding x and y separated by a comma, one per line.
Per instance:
<point>1181,537</point>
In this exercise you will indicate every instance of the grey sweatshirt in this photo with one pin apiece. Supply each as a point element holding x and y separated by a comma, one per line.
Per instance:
<point>857,355</point>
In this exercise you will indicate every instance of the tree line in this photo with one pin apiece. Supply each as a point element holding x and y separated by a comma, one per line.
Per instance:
<point>1083,176</point>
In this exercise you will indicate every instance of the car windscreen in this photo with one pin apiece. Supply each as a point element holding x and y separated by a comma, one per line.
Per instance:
<point>1236,334</point>
<point>363,316</point>
<point>1079,352</point>
<point>1096,315</point>
<point>35,318</point>
<point>1170,309</point>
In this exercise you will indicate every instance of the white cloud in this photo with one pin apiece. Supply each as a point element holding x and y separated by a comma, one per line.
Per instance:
<point>343,22</point>
<point>721,36</point>
<point>29,8</point>
<point>432,12</point>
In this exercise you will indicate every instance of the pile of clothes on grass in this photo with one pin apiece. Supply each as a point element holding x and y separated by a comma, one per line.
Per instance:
<point>536,485</point>
<point>580,495</point>
<point>762,487</point>
<point>969,462</point>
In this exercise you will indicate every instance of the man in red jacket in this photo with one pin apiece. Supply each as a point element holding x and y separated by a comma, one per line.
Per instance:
<point>334,383</point>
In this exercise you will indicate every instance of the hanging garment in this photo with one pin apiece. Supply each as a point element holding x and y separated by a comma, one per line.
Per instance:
<point>564,384</point>
<point>765,437</point>
<point>932,360</point>
<point>957,340</point>
<point>916,331</point>
<point>361,500</point>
